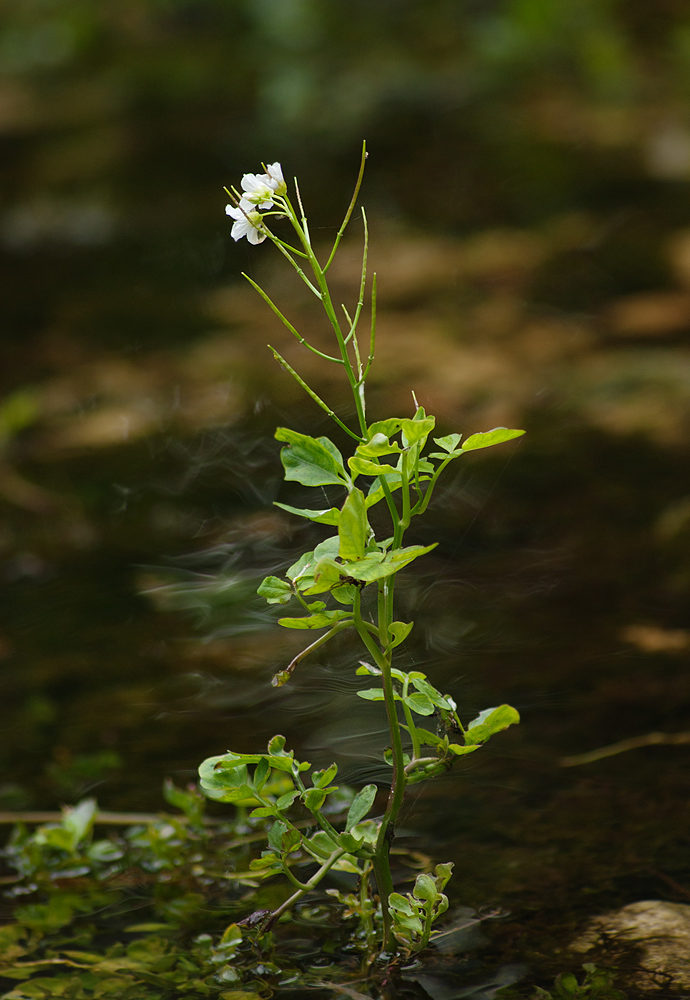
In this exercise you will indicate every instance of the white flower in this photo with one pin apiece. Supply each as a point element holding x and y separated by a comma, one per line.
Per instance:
<point>274,178</point>
<point>247,223</point>
<point>258,190</point>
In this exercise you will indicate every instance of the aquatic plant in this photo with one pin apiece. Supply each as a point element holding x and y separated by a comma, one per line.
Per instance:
<point>347,582</point>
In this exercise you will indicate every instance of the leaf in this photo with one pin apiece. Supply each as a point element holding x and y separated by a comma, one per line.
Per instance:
<point>430,739</point>
<point>371,694</point>
<point>432,694</point>
<point>460,751</point>
<point>417,430</point>
<point>349,842</point>
<point>448,443</point>
<point>275,590</point>
<point>320,620</point>
<point>321,779</point>
<point>400,632</point>
<point>314,798</point>
<point>353,527</point>
<point>311,461</point>
<point>397,902</point>
<point>419,703</point>
<point>425,888</point>
<point>388,427</point>
<point>371,568</point>
<point>275,835</point>
<point>345,594</point>
<point>365,467</point>
<point>329,516</point>
<point>490,721</point>
<point>285,801</point>
<point>327,573</point>
<point>489,438</point>
<point>290,840</point>
<point>378,444</point>
<point>361,804</point>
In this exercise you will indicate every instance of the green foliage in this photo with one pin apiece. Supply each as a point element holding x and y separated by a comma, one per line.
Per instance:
<point>596,985</point>
<point>388,466</point>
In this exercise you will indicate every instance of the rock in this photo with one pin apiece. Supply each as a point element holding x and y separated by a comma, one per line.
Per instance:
<point>659,933</point>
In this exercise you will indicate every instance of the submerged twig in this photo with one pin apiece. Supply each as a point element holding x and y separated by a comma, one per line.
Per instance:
<point>648,740</point>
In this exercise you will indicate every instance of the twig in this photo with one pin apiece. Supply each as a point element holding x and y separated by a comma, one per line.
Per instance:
<point>648,740</point>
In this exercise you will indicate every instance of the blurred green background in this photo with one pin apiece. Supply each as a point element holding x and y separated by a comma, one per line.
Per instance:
<point>527,187</point>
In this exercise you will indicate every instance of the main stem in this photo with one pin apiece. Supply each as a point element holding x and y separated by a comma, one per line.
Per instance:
<point>382,658</point>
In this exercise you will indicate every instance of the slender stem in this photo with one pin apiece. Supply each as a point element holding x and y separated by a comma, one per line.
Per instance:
<point>372,337</point>
<point>410,721</point>
<point>287,323</point>
<point>351,207</point>
<point>395,797</point>
<point>307,887</point>
<point>310,392</point>
<point>283,675</point>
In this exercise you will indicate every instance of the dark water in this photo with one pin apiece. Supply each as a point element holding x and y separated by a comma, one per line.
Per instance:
<point>132,646</point>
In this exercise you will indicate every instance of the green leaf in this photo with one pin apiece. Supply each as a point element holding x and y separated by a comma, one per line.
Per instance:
<point>430,739</point>
<point>327,574</point>
<point>371,694</point>
<point>349,842</point>
<point>263,811</point>
<point>345,594</point>
<point>311,461</point>
<point>448,443</point>
<point>275,590</point>
<point>432,694</point>
<point>399,631</point>
<point>419,703</point>
<point>320,620</point>
<point>397,902</point>
<point>361,804</point>
<point>365,467</point>
<point>376,493</point>
<point>378,444</point>
<point>353,527</point>
<point>322,844</point>
<point>329,516</point>
<point>285,801</point>
<point>275,835</point>
<point>314,798</point>
<point>373,567</point>
<point>290,840</point>
<point>425,888</point>
<point>387,427</point>
<point>417,430</point>
<point>367,668</point>
<point>490,721</point>
<point>321,779</point>
<point>460,751</point>
<point>489,438</point>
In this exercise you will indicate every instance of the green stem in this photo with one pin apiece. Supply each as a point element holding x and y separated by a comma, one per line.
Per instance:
<point>387,828</point>
<point>350,209</point>
<point>310,392</point>
<point>307,887</point>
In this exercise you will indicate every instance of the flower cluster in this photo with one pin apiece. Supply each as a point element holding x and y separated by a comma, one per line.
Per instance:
<point>258,192</point>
